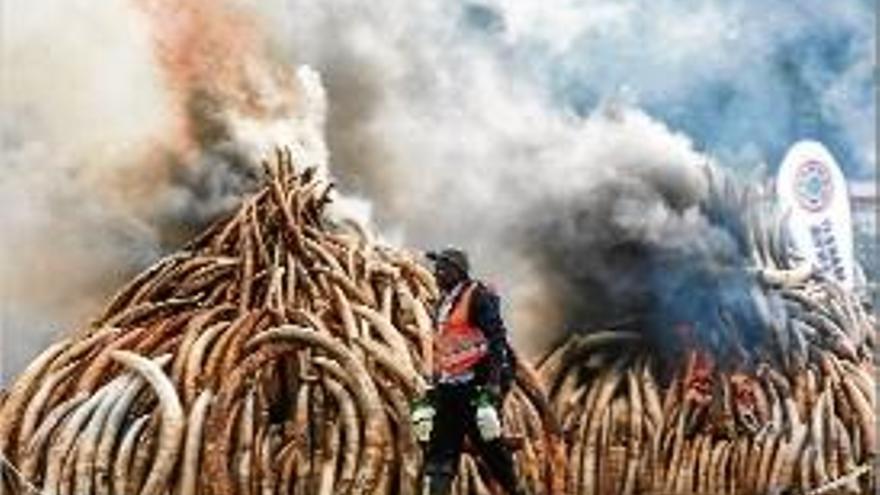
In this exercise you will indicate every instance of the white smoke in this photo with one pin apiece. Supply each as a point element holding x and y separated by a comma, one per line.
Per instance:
<point>99,178</point>
<point>80,95</point>
<point>455,147</point>
<point>461,121</point>
<point>455,122</point>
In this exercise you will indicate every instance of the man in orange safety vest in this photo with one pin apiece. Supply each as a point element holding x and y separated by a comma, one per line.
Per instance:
<point>473,369</point>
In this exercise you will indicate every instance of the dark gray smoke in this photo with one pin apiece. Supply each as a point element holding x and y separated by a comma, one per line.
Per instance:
<point>649,252</point>
<point>598,245</point>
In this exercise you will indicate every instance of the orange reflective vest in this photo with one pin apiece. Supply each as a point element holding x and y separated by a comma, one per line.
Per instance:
<point>458,344</point>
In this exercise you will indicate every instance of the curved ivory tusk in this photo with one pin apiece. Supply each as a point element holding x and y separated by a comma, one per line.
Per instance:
<point>62,445</point>
<point>103,460</point>
<point>375,427</point>
<point>126,451</point>
<point>192,367</point>
<point>171,433</point>
<point>786,278</point>
<point>413,382</point>
<point>424,326</point>
<point>38,402</point>
<point>115,420</point>
<point>193,330</point>
<point>349,418</point>
<point>389,333</point>
<point>193,445</point>
<point>36,446</point>
<point>20,392</point>
<point>88,439</point>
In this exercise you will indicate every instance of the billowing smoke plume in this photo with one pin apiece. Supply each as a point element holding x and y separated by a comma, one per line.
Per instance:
<point>549,142</point>
<point>530,135</point>
<point>127,127</point>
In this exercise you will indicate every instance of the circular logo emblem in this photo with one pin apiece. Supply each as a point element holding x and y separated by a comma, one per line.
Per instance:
<point>813,186</point>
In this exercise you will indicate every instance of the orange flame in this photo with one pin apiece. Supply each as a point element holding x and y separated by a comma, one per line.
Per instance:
<point>215,54</point>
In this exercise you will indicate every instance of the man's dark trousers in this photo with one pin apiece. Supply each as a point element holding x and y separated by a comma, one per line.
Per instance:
<point>455,419</point>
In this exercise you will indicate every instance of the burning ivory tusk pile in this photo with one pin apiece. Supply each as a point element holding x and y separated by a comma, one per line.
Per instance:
<point>279,353</point>
<point>797,415</point>
<point>763,434</point>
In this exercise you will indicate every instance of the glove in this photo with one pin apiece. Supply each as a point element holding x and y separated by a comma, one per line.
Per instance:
<point>423,420</point>
<point>488,420</point>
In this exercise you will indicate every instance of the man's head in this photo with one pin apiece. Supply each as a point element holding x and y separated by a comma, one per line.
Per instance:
<point>451,266</point>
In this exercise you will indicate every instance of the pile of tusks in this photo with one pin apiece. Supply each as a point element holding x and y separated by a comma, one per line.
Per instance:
<point>798,416</point>
<point>766,433</point>
<point>277,354</point>
<point>280,351</point>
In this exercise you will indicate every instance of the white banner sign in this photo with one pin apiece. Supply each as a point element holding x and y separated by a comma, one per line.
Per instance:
<point>812,188</point>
